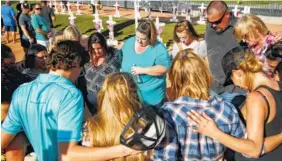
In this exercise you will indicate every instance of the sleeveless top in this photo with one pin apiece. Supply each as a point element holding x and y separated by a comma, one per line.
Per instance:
<point>271,128</point>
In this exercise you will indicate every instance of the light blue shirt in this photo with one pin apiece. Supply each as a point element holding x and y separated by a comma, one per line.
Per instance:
<point>49,110</point>
<point>39,21</point>
<point>8,13</point>
<point>152,88</point>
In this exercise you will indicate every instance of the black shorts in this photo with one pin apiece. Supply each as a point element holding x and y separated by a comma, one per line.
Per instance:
<point>26,44</point>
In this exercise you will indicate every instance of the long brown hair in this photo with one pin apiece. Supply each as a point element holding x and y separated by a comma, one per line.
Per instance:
<point>189,76</point>
<point>148,28</point>
<point>185,25</point>
<point>117,102</point>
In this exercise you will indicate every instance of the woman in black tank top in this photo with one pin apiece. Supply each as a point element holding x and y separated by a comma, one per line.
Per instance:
<point>262,110</point>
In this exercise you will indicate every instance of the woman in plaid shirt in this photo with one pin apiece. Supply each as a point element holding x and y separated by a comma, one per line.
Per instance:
<point>190,83</point>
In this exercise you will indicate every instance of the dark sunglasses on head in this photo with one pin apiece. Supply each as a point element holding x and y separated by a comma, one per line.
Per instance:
<point>38,8</point>
<point>220,20</point>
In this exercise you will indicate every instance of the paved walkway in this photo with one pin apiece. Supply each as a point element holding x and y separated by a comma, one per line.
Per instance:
<point>127,13</point>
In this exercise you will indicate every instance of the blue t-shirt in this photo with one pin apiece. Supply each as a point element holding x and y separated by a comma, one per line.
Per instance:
<point>8,14</point>
<point>49,110</point>
<point>25,19</point>
<point>38,21</point>
<point>152,88</point>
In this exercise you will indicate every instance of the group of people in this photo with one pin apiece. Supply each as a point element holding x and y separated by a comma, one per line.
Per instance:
<point>35,23</point>
<point>224,99</point>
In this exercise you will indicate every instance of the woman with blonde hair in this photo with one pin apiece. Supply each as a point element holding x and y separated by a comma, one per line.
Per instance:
<point>71,33</point>
<point>191,81</point>
<point>118,101</point>
<point>253,31</point>
<point>262,110</point>
<point>148,60</point>
<point>185,36</point>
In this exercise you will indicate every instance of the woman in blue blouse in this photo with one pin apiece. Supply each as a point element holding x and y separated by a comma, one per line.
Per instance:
<point>148,60</point>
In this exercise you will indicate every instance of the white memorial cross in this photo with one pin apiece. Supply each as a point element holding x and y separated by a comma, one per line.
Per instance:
<point>174,19</point>
<point>236,11</point>
<point>117,10</point>
<point>188,16</point>
<point>69,6</point>
<point>78,11</point>
<point>111,41</point>
<point>159,27</point>
<point>150,12</point>
<point>72,18</point>
<point>246,10</point>
<point>97,21</point>
<point>202,14</point>
<point>50,4</point>
<point>56,9</point>
<point>63,10</point>
<point>138,9</point>
<point>135,14</point>
<point>161,9</point>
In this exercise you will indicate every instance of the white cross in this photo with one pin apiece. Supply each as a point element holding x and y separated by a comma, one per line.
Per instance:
<point>202,7</point>
<point>72,18</point>
<point>236,11</point>
<point>78,12</point>
<point>174,19</point>
<point>135,14</point>
<point>117,9</point>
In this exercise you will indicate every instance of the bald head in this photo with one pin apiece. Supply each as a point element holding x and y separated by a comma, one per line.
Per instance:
<point>217,6</point>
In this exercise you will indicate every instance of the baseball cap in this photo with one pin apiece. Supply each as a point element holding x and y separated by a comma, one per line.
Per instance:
<point>231,61</point>
<point>148,129</point>
<point>25,5</point>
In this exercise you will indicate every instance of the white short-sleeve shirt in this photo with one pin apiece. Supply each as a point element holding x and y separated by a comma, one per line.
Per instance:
<point>199,46</point>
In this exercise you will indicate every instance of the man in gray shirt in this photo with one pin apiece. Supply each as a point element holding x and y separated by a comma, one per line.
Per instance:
<point>49,16</point>
<point>28,37</point>
<point>48,13</point>
<point>220,39</point>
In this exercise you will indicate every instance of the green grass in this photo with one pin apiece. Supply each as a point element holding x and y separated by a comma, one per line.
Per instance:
<point>84,22</point>
<point>86,26</point>
<point>166,35</point>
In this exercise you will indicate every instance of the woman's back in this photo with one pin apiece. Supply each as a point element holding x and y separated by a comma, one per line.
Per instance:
<point>96,136</point>
<point>118,101</point>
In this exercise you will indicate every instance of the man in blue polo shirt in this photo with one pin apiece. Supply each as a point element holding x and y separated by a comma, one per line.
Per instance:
<point>50,110</point>
<point>9,19</point>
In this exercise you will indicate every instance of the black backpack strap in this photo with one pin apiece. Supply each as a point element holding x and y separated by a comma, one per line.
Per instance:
<point>280,85</point>
<point>268,106</point>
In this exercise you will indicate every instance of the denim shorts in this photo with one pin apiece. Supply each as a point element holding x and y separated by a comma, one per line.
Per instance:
<point>11,28</point>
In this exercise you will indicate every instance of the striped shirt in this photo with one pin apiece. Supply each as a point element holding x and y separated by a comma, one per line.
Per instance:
<point>183,143</point>
<point>269,40</point>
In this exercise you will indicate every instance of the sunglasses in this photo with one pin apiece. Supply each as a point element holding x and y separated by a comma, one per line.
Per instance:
<point>220,20</point>
<point>38,8</point>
